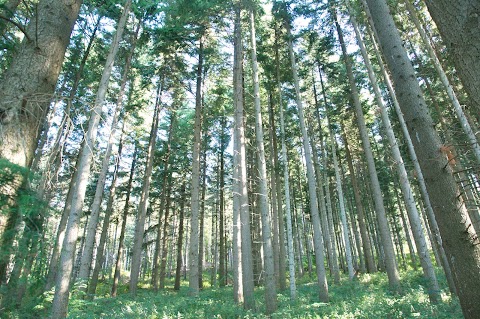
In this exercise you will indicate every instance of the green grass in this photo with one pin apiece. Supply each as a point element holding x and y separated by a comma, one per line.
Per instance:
<point>368,297</point>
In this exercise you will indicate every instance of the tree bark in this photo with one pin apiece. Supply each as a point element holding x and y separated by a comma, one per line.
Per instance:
<point>460,241</point>
<point>28,84</point>
<point>116,276</point>
<point>317,230</point>
<point>458,24</point>
<point>264,205</point>
<point>60,301</point>
<point>142,207</point>
<point>392,271</point>
<point>195,199</point>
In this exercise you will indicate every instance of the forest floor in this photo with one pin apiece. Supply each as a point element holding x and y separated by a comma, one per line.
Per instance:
<point>366,297</point>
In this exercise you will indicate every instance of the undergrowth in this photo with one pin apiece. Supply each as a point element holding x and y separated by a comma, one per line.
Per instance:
<point>367,297</point>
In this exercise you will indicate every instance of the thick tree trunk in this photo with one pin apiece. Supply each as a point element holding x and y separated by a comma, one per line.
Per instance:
<point>28,84</point>
<point>460,241</point>
<point>458,24</point>
<point>413,157</point>
<point>467,129</point>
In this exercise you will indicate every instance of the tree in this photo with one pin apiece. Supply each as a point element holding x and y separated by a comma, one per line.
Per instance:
<point>460,242</point>
<point>270,284</point>
<point>39,59</point>
<point>60,301</point>
<point>457,22</point>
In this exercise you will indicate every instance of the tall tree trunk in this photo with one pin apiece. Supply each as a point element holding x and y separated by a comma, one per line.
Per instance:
<point>268,261</point>
<point>60,300</point>
<point>195,197</point>
<point>460,241</point>
<point>87,255</point>
<point>317,230</point>
<point>392,271</point>
<point>163,261</point>
<point>467,129</point>
<point>413,157</point>
<point>26,89</point>
<point>165,185</point>
<point>367,246</point>
<point>92,286</point>
<point>241,162</point>
<point>142,207</point>
<point>413,215</point>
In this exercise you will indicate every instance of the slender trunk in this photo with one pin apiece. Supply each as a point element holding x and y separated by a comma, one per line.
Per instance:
<point>163,262</point>
<point>142,207</point>
<point>87,255</point>
<point>392,271</point>
<point>241,162</point>
<point>195,199</point>
<point>201,237</point>
<point>60,300</point>
<point>317,230</point>
<point>178,268</point>
<point>288,211</point>
<point>367,246</point>
<point>222,273</point>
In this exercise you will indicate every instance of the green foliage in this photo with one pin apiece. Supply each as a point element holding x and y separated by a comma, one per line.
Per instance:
<point>366,297</point>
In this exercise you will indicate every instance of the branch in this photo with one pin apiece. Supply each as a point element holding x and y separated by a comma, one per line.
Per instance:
<point>19,26</point>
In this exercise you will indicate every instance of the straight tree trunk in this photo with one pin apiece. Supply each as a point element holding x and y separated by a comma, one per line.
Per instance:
<point>201,237</point>
<point>413,157</point>
<point>317,230</point>
<point>116,276</point>
<point>222,273</point>
<point>413,215</point>
<point>366,244</point>
<point>460,241</point>
<point>194,275</point>
<point>392,271</point>
<point>60,300</point>
<point>264,205</point>
<point>288,211</point>
<point>86,259</point>
<point>92,286</point>
<point>142,207</point>
<point>241,162</point>
<point>178,268</point>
